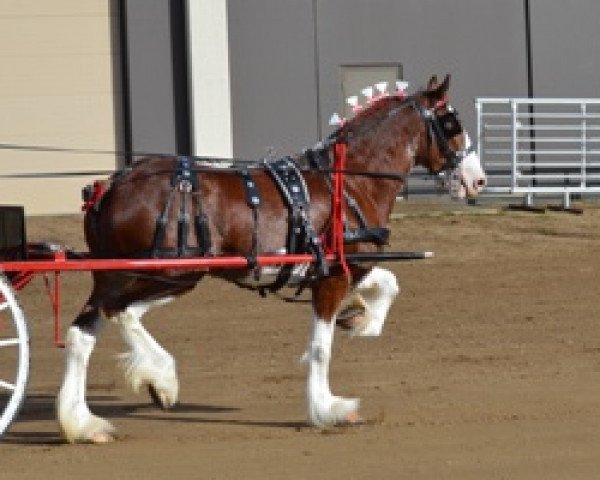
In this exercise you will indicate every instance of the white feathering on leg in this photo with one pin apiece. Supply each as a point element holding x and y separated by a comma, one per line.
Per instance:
<point>376,292</point>
<point>147,363</point>
<point>76,421</point>
<point>324,408</point>
<point>373,297</point>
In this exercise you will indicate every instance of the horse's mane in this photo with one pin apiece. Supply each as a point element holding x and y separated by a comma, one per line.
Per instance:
<point>368,118</point>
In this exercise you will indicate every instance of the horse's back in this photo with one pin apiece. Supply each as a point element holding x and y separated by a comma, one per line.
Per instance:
<point>128,211</point>
<point>126,223</point>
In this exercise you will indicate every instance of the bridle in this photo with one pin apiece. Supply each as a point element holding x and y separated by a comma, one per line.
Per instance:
<point>442,128</point>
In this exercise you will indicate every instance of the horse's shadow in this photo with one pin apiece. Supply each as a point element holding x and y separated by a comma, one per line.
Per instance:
<point>40,407</point>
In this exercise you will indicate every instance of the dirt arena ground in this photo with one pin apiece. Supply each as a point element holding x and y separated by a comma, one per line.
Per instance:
<point>488,368</point>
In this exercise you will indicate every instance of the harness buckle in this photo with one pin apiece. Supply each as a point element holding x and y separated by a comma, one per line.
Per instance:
<point>185,186</point>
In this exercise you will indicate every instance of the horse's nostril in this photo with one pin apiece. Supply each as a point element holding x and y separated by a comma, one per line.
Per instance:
<point>480,183</point>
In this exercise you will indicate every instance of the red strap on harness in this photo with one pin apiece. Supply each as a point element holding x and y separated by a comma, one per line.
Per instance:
<point>338,205</point>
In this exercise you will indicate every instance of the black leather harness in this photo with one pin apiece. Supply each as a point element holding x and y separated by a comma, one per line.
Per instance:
<point>253,201</point>
<point>301,237</point>
<point>186,182</point>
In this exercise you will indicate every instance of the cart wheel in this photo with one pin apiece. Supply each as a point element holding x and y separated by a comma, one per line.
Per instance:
<point>14,355</point>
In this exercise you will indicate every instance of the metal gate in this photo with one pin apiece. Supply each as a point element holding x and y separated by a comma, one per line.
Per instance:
<point>545,146</point>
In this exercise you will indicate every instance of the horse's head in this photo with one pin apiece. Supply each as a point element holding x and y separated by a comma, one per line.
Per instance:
<point>446,147</point>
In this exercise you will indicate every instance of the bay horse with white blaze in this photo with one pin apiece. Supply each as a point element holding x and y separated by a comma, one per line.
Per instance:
<point>146,212</point>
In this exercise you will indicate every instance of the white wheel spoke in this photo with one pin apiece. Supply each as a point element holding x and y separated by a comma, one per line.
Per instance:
<point>6,386</point>
<point>13,333</point>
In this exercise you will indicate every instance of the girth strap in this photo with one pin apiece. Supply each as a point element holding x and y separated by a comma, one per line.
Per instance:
<point>253,201</point>
<point>301,235</point>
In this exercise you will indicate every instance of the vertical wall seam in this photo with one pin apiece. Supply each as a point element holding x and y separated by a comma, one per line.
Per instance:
<point>180,75</point>
<point>125,83</point>
<point>317,68</point>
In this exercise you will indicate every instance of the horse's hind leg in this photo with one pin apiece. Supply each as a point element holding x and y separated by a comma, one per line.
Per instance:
<point>147,363</point>
<point>75,419</point>
<point>324,408</point>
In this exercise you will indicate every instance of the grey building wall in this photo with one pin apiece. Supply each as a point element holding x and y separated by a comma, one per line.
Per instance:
<point>272,64</point>
<point>278,49</point>
<point>479,42</point>
<point>286,55</point>
<point>154,76</point>
<point>565,38</point>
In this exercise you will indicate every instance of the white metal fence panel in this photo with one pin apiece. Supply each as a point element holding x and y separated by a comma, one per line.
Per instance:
<point>540,145</point>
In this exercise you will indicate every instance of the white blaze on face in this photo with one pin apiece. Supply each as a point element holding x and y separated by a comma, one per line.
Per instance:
<point>469,179</point>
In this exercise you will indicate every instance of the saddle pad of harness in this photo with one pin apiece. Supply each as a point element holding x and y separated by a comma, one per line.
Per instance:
<point>289,181</point>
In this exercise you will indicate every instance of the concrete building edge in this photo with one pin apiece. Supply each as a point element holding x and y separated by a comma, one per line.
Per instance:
<point>209,78</point>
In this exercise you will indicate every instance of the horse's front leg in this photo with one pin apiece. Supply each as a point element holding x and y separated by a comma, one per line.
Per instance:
<point>324,408</point>
<point>366,307</point>
<point>147,363</point>
<point>75,419</point>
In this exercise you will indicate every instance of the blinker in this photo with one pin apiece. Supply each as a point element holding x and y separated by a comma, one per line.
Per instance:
<point>449,124</point>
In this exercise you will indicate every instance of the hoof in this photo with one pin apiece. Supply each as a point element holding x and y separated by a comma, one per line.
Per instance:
<point>351,317</point>
<point>94,430</point>
<point>354,316</point>
<point>353,419</point>
<point>100,438</point>
<point>341,411</point>
<point>162,383</point>
<point>160,398</point>
<point>354,324</point>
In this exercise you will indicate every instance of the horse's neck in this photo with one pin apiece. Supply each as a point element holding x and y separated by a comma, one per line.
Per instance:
<point>392,152</point>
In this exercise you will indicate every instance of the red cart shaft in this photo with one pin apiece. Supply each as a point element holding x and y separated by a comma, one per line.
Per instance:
<point>203,263</point>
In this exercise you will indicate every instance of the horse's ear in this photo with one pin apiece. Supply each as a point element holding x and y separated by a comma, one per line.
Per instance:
<point>432,83</point>
<point>445,85</point>
<point>437,91</point>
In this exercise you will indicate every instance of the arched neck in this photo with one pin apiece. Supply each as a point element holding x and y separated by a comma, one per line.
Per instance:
<point>389,147</point>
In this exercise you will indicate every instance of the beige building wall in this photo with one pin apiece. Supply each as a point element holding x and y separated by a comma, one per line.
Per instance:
<point>210,86</point>
<point>56,89</point>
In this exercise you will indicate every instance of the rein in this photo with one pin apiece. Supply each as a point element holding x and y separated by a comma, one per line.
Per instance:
<point>437,130</point>
<point>118,153</point>
<point>343,171</point>
<point>389,176</point>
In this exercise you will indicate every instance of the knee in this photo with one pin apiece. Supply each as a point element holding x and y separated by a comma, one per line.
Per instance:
<point>388,282</point>
<point>382,280</point>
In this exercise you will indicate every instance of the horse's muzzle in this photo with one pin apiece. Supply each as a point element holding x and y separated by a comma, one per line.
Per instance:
<point>475,187</point>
